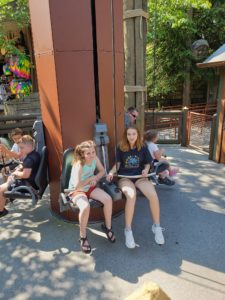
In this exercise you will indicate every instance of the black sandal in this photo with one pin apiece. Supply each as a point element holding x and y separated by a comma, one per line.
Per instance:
<point>109,233</point>
<point>84,248</point>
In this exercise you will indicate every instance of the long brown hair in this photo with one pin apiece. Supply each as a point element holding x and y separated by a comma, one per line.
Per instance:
<point>79,151</point>
<point>124,145</point>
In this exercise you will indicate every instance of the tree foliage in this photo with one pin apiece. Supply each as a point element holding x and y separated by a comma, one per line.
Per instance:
<point>177,22</point>
<point>12,12</point>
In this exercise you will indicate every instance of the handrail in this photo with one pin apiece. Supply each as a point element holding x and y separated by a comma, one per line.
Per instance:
<point>25,122</point>
<point>19,117</point>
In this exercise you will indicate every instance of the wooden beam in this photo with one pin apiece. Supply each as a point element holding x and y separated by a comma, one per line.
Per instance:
<point>140,61</point>
<point>129,53</point>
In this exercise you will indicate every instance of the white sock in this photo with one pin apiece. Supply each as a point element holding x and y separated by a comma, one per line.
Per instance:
<point>128,228</point>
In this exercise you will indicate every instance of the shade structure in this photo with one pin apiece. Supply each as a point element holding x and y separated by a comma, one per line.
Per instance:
<point>216,59</point>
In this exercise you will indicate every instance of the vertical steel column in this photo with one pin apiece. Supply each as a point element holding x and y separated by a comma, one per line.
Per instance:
<point>68,75</point>
<point>62,35</point>
<point>109,34</point>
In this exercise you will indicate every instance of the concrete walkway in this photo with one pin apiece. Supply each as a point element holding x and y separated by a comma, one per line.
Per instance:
<point>40,257</point>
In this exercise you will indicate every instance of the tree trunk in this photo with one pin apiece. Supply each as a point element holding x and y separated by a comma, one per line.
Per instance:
<point>187,85</point>
<point>187,78</point>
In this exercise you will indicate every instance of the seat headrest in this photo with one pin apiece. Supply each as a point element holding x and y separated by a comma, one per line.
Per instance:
<point>41,178</point>
<point>68,157</point>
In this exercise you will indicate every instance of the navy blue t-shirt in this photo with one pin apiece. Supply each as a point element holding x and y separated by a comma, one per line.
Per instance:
<point>32,161</point>
<point>132,162</point>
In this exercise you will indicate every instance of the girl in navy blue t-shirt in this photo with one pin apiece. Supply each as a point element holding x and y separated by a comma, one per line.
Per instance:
<point>133,161</point>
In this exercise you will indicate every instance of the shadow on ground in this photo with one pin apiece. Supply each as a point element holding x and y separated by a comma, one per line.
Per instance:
<point>40,256</point>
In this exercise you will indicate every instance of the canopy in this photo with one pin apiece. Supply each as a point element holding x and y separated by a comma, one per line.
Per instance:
<point>217,59</point>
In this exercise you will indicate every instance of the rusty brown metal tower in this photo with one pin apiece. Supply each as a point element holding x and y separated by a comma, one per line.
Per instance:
<point>80,67</point>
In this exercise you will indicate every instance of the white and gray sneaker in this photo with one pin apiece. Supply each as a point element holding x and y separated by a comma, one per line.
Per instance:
<point>159,238</point>
<point>129,238</point>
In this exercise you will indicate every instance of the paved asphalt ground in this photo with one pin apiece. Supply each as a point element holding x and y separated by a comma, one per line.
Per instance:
<point>40,256</point>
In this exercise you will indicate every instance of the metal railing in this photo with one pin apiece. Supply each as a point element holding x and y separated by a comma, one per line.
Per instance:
<point>200,125</point>
<point>168,125</point>
<point>25,122</point>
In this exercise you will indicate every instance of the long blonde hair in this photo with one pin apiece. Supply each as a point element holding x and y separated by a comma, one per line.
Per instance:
<point>79,151</point>
<point>124,145</point>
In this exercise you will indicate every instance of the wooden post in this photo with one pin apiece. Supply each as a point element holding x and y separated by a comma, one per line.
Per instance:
<point>220,118</point>
<point>140,61</point>
<point>219,145</point>
<point>212,136</point>
<point>185,129</point>
<point>135,32</point>
<point>129,53</point>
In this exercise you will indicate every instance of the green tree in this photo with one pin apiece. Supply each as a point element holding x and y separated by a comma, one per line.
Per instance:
<point>178,24</point>
<point>16,12</point>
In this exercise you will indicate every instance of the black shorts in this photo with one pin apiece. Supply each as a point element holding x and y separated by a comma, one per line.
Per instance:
<point>134,179</point>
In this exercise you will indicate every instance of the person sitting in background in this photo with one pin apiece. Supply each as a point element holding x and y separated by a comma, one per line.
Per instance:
<point>151,137</point>
<point>130,116</point>
<point>14,153</point>
<point>24,174</point>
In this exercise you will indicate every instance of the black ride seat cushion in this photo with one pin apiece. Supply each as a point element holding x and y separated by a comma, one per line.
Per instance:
<point>32,191</point>
<point>17,195</point>
<point>17,183</point>
<point>68,158</point>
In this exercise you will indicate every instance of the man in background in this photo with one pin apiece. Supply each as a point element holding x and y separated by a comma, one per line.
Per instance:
<point>130,116</point>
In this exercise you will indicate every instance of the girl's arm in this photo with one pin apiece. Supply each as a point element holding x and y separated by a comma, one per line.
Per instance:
<point>113,171</point>
<point>100,168</point>
<point>115,168</point>
<point>146,170</point>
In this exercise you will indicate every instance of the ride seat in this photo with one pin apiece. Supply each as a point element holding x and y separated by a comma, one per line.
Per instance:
<point>64,199</point>
<point>41,180</point>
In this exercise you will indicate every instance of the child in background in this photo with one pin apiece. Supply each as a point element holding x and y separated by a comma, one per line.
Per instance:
<point>151,137</point>
<point>14,153</point>
<point>83,182</point>
<point>24,174</point>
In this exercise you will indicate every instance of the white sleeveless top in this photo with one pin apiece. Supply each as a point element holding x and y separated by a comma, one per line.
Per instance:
<point>87,171</point>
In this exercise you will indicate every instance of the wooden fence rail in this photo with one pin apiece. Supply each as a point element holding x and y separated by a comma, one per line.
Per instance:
<point>25,122</point>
